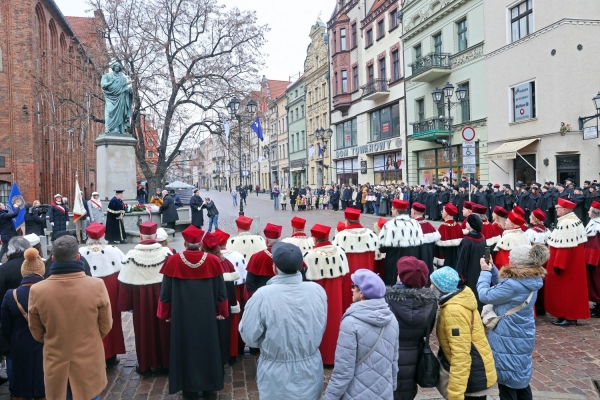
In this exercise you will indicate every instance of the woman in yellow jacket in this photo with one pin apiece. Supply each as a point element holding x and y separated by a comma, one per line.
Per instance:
<point>465,354</point>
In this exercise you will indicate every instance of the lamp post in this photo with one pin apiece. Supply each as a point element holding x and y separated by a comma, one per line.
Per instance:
<point>324,136</point>
<point>266,154</point>
<point>447,91</point>
<point>234,106</point>
<point>583,120</point>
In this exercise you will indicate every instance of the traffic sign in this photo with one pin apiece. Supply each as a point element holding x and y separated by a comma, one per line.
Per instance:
<point>467,151</point>
<point>468,144</point>
<point>469,160</point>
<point>469,169</point>
<point>468,133</point>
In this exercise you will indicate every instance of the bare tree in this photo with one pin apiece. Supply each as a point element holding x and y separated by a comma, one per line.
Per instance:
<point>186,59</point>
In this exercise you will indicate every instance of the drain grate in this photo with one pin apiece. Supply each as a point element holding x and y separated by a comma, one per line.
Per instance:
<point>597,386</point>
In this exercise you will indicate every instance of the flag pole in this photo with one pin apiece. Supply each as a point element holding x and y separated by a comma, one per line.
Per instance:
<point>78,234</point>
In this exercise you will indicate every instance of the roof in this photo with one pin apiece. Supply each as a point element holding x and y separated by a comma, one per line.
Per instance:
<point>277,88</point>
<point>84,28</point>
<point>376,5</point>
<point>291,84</point>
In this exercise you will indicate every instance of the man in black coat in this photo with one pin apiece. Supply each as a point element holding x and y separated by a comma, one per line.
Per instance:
<point>196,205</point>
<point>345,197</point>
<point>115,230</point>
<point>335,199</point>
<point>58,215</point>
<point>7,228</point>
<point>169,210</point>
<point>293,197</point>
<point>35,220</point>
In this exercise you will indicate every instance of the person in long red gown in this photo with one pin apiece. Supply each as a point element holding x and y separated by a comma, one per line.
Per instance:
<point>451,234</point>
<point>521,212</point>
<point>245,242</point>
<point>538,234</point>
<point>327,264</point>
<point>592,257</point>
<point>379,256</point>
<point>565,297</point>
<point>299,238</point>
<point>512,237</point>
<point>260,266</point>
<point>493,231</point>
<point>466,211</point>
<point>139,291</point>
<point>359,245</point>
<point>105,263</point>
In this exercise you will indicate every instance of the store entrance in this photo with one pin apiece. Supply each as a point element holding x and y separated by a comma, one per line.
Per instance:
<point>568,168</point>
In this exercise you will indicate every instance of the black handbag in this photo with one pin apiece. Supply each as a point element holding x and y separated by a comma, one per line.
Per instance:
<point>428,368</point>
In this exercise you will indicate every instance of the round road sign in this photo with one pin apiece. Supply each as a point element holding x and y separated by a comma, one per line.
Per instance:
<point>468,133</point>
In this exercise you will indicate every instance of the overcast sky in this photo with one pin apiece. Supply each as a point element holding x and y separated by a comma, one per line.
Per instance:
<point>290,22</point>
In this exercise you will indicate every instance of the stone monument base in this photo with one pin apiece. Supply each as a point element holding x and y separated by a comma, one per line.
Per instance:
<point>116,167</point>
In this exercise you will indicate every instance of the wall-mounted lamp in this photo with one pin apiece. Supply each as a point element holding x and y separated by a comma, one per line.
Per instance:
<point>24,109</point>
<point>546,162</point>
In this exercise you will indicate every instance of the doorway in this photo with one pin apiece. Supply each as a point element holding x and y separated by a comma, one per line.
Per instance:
<point>567,167</point>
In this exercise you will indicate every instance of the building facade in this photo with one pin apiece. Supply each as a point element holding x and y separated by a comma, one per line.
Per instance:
<point>367,92</point>
<point>297,147</point>
<point>444,43</point>
<point>541,66</point>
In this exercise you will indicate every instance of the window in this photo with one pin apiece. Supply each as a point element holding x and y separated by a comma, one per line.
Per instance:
<point>150,143</point>
<point>302,111</point>
<point>523,101</point>
<point>521,20</point>
<point>382,72</point>
<point>344,81</point>
<point>437,44</point>
<point>335,84</point>
<point>417,50</point>
<point>334,42</point>
<point>420,109</point>
<point>298,140</point>
<point>380,29</point>
<point>385,123</point>
<point>345,134</point>
<point>150,154</point>
<point>2,162</point>
<point>434,165</point>
<point>371,73</point>
<point>394,22</point>
<point>312,175</point>
<point>296,114</point>
<point>465,110</point>
<point>369,37</point>
<point>343,39</point>
<point>296,93</point>
<point>302,141</point>
<point>354,78</point>
<point>324,91</point>
<point>396,64</point>
<point>5,188</point>
<point>354,43</point>
<point>462,34</point>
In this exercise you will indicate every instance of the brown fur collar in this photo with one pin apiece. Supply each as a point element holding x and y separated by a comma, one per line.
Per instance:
<point>522,272</point>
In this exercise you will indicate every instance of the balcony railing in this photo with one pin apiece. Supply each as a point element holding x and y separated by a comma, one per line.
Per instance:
<point>429,130</point>
<point>437,64</point>
<point>375,89</point>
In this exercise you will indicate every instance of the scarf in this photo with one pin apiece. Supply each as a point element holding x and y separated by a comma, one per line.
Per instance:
<point>66,267</point>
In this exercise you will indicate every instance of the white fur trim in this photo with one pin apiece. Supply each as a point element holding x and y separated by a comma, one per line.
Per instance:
<point>438,261</point>
<point>492,241</point>
<point>593,227</point>
<point>512,238</point>
<point>142,264</point>
<point>104,260</point>
<point>238,262</point>
<point>325,262</point>
<point>356,240</point>
<point>401,231</point>
<point>448,243</point>
<point>569,232</point>
<point>536,237</point>
<point>379,255</point>
<point>431,237</point>
<point>231,276</point>
<point>247,245</point>
<point>236,309</point>
<point>303,243</point>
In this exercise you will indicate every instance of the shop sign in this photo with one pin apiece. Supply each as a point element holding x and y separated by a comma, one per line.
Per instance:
<point>369,148</point>
<point>363,167</point>
<point>591,132</point>
<point>522,103</point>
<point>385,127</point>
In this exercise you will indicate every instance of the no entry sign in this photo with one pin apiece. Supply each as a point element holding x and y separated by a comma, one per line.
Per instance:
<point>468,133</point>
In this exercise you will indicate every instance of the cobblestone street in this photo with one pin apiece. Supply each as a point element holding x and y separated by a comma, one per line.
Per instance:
<point>566,360</point>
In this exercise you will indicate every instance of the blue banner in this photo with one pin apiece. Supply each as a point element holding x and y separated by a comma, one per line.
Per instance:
<point>16,198</point>
<point>258,129</point>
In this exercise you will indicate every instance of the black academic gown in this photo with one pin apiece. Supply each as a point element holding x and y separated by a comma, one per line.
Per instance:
<point>115,229</point>
<point>392,255</point>
<point>468,266</point>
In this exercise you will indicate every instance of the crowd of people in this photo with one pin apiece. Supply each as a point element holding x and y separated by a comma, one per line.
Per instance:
<point>362,300</point>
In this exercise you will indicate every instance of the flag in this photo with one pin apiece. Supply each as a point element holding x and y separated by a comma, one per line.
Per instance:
<point>311,151</point>
<point>320,153</point>
<point>16,198</point>
<point>256,128</point>
<point>78,207</point>
<point>226,128</point>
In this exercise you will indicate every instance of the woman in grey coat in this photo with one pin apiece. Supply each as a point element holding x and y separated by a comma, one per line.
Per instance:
<point>366,356</point>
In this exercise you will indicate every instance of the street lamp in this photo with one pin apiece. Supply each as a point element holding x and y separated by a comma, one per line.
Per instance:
<point>324,136</point>
<point>234,106</point>
<point>583,120</point>
<point>447,91</point>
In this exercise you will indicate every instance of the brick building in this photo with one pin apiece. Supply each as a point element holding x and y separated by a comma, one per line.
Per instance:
<point>49,76</point>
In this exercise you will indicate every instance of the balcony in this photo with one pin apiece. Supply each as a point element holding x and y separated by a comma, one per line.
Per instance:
<point>342,102</point>
<point>431,67</point>
<point>429,130</point>
<point>376,89</point>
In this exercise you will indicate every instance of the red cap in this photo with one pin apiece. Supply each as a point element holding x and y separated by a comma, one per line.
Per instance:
<point>540,215</point>
<point>418,207</point>
<point>244,223</point>
<point>223,237</point>
<point>400,204</point>
<point>192,235</point>
<point>148,228</point>
<point>96,231</point>
<point>566,203</point>
<point>596,205</point>
<point>478,209</point>
<point>516,218</point>
<point>497,185</point>
<point>352,214</point>
<point>500,211</point>
<point>519,211</point>
<point>320,231</point>
<point>450,209</point>
<point>340,226</point>
<point>210,240</point>
<point>272,231</point>
<point>381,222</point>
<point>468,204</point>
<point>298,223</point>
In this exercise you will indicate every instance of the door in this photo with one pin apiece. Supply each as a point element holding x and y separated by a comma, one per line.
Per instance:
<point>567,167</point>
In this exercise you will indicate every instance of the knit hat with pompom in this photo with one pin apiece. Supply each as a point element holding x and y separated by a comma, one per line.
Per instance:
<point>33,264</point>
<point>535,255</point>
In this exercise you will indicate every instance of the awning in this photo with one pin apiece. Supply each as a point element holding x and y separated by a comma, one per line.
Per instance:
<point>297,169</point>
<point>509,151</point>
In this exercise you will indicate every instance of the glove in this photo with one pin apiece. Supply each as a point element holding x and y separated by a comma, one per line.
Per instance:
<point>67,223</point>
<point>557,270</point>
<point>87,219</point>
<point>52,223</point>
<point>198,208</point>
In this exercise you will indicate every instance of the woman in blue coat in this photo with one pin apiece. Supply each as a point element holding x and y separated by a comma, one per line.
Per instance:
<point>513,339</point>
<point>27,377</point>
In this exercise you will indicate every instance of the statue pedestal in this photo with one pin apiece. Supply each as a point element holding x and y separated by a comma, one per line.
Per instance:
<point>116,167</point>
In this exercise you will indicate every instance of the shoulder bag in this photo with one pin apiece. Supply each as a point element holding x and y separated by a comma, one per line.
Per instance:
<point>372,348</point>
<point>25,315</point>
<point>490,318</point>
<point>428,367</point>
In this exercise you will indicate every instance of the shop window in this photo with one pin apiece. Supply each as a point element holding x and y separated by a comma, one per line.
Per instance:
<point>387,168</point>
<point>523,171</point>
<point>347,171</point>
<point>523,102</point>
<point>385,123</point>
<point>434,165</point>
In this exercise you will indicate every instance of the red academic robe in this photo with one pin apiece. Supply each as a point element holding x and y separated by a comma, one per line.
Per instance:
<point>592,261</point>
<point>492,232</point>
<point>564,297</point>
<point>114,343</point>
<point>446,249</point>
<point>259,271</point>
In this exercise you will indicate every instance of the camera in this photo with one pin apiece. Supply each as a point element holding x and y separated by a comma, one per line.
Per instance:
<point>42,209</point>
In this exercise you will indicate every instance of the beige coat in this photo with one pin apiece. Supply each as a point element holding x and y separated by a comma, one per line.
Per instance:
<point>70,314</point>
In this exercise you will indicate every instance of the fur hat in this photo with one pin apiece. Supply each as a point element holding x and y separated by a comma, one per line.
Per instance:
<point>32,264</point>
<point>535,255</point>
